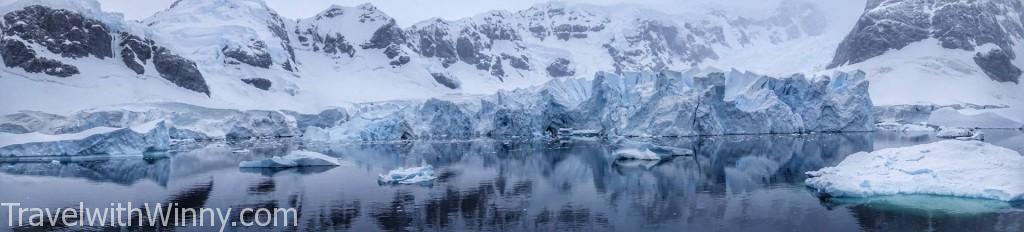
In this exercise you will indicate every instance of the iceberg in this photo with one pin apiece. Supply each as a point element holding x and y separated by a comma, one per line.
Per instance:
<point>970,169</point>
<point>954,132</point>
<point>292,160</point>
<point>636,154</point>
<point>411,175</point>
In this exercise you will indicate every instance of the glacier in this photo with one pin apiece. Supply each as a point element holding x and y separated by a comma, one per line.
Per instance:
<point>950,167</point>
<point>640,104</point>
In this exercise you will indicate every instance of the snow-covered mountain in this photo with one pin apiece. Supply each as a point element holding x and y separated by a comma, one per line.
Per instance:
<point>242,54</point>
<point>940,52</point>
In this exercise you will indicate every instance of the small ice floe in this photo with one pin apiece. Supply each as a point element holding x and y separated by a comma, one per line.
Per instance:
<point>293,159</point>
<point>954,132</point>
<point>957,168</point>
<point>636,154</point>
<point>960,134</point>
<point>411,175</point>
<point>905,128</point>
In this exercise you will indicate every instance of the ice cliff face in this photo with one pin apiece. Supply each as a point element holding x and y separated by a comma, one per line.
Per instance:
<point>956,24</point>
<point>661,104</point>
<point>648,104</point>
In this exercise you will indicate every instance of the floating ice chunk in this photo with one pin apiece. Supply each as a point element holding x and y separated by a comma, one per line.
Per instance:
<point>637,154</point>
<point>905,128</point>
<point>408,175</point>
<point>954,132</point>
<point>949,168</point>
<point>293,159</point>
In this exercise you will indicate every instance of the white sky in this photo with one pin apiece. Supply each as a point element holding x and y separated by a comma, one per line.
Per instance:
<point>408,12</point>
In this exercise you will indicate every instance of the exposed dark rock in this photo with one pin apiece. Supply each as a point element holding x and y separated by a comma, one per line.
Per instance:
<point>561,67</point>
<point>397,55</point>
<point>180,71</point>
<point>128,56</point>
<point>998,65</point>
<point>255,54</point>
<point>890,25</point>
<point>432,43</point>
<point>50,67</point>
<point>497,69</point>
<point>259,83</point>
<point>135,50</point>
<point>446,80</point>
<point>467,50</point>
<point>520,62</point>
<point>337,45</point>
<point>60,31</point>
<point>385,36</point>
<point>17,54</point>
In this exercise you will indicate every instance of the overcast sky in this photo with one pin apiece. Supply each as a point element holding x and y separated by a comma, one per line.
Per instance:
<point>408,12</point>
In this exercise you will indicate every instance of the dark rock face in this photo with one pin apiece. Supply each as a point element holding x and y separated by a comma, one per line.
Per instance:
<point>520,62</point>
<point>17,54</point>
<point>560,68</point>
<point>391,38</point>
<point>136,51</point>
<point>180,71</point>
<point>888,24</point>
<point>445,80</point>
<point>433,43</point>
<point>998,65</point>
<point>471,43</point>
<point>254,54</point>
<point>60,31</point>
<point>655,46</point>
<point>337,45</point>
<point>259,83</point>
<point>563,23</point>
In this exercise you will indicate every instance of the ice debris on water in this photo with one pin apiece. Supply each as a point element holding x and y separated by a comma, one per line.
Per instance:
<point>411,175</point>
<point>293,159</point>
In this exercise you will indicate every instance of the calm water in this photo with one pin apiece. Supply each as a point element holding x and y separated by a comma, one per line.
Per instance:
<point>734,183</point>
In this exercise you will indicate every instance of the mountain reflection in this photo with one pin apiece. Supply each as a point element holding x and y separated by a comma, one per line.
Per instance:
<point>728,183</point>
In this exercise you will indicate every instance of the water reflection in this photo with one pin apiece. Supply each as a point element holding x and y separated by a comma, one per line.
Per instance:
<point>730,183</point>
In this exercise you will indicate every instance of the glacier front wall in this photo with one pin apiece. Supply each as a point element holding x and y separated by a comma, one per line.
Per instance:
<point>662,104</point>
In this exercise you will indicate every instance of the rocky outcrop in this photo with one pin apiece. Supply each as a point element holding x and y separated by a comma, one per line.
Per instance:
<point>180,71</point>
<point>963,25</point>
<point>254,54</point>
<point>60,31</point>
<point>998,65</point>
<point>561,67</point>
<point>259,83</point>
<point>17,54</point>
<point>136,51</point>
<point>447,80</point>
